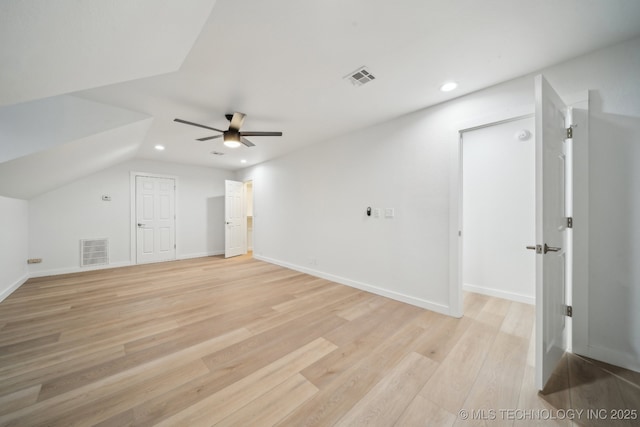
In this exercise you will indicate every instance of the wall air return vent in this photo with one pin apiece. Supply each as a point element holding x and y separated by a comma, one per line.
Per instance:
<point>360,76</point>
<point>94,252</point>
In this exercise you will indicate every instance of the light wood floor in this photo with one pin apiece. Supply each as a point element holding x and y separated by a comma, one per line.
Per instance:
<point>240,342</point>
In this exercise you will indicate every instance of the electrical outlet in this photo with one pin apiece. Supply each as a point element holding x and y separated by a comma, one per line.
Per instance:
<point>34,260</point>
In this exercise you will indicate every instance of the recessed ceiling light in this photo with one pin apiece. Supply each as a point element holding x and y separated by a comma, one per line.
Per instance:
<point>159,147</point>
<point>449,86</point>
<point>243,161</point>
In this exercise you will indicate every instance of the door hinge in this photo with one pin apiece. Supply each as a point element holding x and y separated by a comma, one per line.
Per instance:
<point>569,222</point>
<point>569,132</point>
<point>567,310</point>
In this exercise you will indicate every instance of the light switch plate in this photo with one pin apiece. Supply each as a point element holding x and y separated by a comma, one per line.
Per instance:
<point>389,212</point>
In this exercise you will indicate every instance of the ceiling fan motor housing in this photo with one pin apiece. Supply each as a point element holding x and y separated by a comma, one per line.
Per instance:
<point>231,135</point>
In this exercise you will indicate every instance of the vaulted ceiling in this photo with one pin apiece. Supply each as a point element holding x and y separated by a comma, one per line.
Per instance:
<point>86,84</point>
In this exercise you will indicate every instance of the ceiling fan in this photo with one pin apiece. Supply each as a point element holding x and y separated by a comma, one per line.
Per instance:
<point>232,137</point>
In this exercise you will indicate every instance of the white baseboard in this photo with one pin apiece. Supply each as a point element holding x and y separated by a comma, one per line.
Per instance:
<point>438,308</point>
<point>15,285</point>
<point>612,357</point>
<point>511,296</point>
<point>200,254</point>
<point>68,270</point>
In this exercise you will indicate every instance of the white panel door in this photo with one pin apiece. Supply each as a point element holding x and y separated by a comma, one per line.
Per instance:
<point>551,237</point>
<point>155,219</point>
<point>235,236</point>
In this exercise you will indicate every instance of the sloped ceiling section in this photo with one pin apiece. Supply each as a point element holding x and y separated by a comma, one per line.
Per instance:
<point>29,176</point>
<point>32,126</point>
<point>49,49</point>
<point>63,46</point>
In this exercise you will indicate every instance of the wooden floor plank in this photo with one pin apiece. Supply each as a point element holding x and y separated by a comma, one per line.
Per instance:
<point>380,325</point>
<point>422,412</point>
<point>274,405</point>
<point>220,405</point>
<point>74,363</point>
<point>518,320</point>
<point>12,402</point>
<point>385,402</point>
<point>441,336</point>
<point>499,381</point>
<point>82,410</point>
<point>451,383</point>
<point>337,397</point>
<point>68,400</point>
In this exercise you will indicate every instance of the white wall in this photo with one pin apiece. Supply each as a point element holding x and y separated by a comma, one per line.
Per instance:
<point>310,205</point>
<point>309,211</point>
<point>14,239</point>
<point>499,211</point>
<point>60,218</point>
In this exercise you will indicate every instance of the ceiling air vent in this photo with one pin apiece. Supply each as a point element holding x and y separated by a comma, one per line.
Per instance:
<point>360,76</point>
<point>94,252</point>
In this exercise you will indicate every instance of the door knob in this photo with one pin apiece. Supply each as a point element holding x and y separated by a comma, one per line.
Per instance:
<point>551,249</point>
<point>543,250</point>
<point>140,224</point>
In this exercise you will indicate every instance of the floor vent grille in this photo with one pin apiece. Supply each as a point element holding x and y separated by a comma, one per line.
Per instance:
<point>94,252</point>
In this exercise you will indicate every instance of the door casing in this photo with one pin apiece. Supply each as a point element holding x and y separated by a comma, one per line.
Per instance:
<point>235,240</point>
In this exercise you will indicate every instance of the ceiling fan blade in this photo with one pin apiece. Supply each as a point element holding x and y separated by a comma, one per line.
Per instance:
<point>246,142</point>
<point>196,124</point>
<point>261,133</point>
<point>236,121</point>
<point>209,138</point>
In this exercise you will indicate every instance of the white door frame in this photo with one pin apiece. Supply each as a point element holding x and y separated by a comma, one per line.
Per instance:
<point>133,219</point>
<point>578,339</point>
<point>456,307</point>
<point>253,219</point>
<point>461,133</point>
<point>229,250</point>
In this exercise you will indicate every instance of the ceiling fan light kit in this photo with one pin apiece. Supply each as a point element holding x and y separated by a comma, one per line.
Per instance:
<point>231,137</point>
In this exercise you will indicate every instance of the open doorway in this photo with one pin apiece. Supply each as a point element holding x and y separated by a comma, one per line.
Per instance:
<point>498,209</point>
<point>248,191</point>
